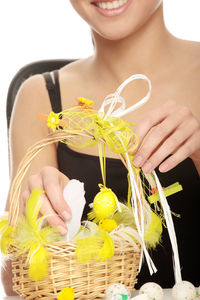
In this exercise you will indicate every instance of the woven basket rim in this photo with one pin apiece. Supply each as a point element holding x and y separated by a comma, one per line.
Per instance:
<point>72,244</point>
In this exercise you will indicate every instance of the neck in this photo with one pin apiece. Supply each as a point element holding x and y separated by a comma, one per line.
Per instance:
<point>142,52</point>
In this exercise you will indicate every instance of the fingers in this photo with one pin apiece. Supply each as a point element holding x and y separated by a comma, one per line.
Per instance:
<point>52,217</point>
<point>168,147</point>
<point>52,182</point>
<point>153,140</point>
<point>52,186</point>
<point>182,153</point>
<point>171,134</point>
<point>153,118</point>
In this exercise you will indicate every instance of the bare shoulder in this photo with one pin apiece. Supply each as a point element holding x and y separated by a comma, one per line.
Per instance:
<point>32,98</point>
<point>190,55</point>
<point>193,75</point>
<point>77,66</point>
<point>188,73</point>
<point>74,80</point>
<point>32,93</point>
<point>26,129</point>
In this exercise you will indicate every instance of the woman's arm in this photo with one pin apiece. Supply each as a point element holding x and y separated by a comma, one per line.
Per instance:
<point>25,130</point>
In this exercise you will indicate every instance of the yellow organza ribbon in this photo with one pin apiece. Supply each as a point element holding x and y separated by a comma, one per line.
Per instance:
<point>87,127</point>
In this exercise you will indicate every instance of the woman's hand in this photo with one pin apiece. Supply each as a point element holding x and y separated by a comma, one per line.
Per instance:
<point>170,129</point>
<point>52,182</point>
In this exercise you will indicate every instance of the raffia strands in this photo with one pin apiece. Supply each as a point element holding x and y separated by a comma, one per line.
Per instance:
<point>142,197</point>
<point>89,281</point>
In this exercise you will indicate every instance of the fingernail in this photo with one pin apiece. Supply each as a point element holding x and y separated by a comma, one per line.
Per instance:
<point>147,168</point>
<point>62,230</point>
<point>137,160</point>
<point>163,168</point>
<point>66,215</point>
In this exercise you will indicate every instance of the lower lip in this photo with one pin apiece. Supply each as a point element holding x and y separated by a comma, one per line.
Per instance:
<point>115,11</point>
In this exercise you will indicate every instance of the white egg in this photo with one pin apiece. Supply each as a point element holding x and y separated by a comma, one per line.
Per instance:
<point>116,297</point>
<point>183,290</point>
<point>120,297</point>
<point>117,289</point>
<point>140,297</point>
<point>152,290</point>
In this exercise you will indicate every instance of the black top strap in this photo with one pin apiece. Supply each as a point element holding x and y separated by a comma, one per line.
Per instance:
<point>53,90</point>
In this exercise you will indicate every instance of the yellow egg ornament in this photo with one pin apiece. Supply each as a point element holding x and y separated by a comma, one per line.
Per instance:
<point>104,205</point>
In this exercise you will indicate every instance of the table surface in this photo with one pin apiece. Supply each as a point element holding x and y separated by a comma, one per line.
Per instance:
<point>167,293</point>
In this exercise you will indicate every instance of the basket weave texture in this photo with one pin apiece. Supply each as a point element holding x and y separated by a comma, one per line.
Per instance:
<point>89,281</point>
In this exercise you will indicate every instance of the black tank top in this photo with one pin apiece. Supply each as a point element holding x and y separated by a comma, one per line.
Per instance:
<point>186,203</point>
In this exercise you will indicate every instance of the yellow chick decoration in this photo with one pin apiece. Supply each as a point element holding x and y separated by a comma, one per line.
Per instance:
<point>104,205</point>
<point>108,225</point>
<point>66,294</point>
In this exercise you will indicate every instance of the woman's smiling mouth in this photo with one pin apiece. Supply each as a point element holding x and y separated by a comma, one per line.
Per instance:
<point>111,8</point>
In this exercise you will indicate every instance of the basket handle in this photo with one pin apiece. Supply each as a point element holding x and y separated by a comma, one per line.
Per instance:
<point>24,165</point>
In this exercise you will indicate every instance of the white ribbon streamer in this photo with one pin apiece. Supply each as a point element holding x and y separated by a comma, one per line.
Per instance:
<point>135,191</point>
<point>171,230</point>
<point>112,100</point>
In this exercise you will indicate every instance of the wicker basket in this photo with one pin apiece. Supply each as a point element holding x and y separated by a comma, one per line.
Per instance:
<point>88,280</point>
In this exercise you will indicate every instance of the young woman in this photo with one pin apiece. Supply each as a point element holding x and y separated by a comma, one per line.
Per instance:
<point>129,37</point>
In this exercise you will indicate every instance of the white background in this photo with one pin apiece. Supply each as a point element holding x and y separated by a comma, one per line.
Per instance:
<point>32,30</point>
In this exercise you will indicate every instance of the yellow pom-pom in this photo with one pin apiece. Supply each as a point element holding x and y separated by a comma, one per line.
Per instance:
<point>154,231</point>
<point>104,204</point>
<point>66,294</point>
<point>108,225</point>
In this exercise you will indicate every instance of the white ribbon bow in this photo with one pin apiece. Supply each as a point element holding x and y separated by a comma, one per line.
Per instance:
<point>115,98</point>
<point>112,100</point>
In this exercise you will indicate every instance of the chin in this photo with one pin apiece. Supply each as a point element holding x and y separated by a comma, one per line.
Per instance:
<point>119,29</point>
<point>116,23</point>
<point>113,34</point>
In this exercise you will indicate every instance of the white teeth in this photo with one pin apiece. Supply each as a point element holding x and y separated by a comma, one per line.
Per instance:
<point>111,5</point>
<point>115,4</point>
